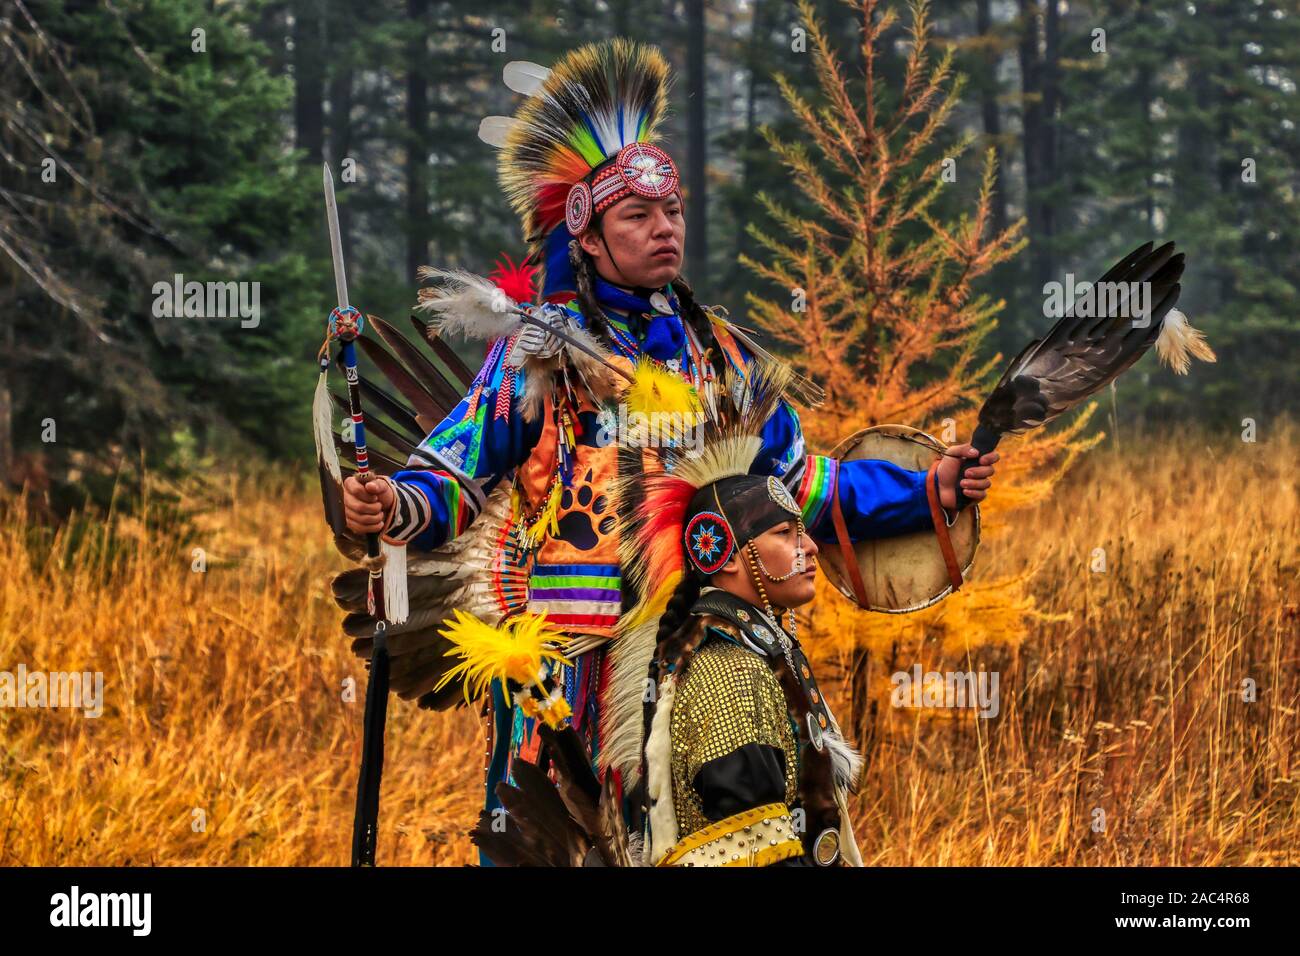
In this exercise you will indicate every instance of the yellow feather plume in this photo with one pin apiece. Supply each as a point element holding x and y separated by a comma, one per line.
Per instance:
<point>658,389</point>
<point>653,608</point>
<point>514,651</point>
<point>547,520</point>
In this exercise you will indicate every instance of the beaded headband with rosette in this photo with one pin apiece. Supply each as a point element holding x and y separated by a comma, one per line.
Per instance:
<point>589,121</point>
<point>729,513</point>
<point>640,169</point>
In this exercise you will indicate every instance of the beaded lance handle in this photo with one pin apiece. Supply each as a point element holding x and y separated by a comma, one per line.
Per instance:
<point>345,324</point>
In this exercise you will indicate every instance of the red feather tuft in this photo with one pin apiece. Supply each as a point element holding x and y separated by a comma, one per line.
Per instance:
<point>515,281</point>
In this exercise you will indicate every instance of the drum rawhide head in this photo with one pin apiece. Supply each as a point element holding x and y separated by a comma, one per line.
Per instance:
<point>905,572</point>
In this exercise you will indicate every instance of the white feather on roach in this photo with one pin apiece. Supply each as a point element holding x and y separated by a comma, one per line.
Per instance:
<point>493,130</point>
<point>525,77</point>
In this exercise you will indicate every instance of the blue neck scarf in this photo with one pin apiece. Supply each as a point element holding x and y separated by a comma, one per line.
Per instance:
<point>664,334</point>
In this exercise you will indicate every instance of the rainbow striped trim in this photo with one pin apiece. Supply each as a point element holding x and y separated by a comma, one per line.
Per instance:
<point>817,488</point>
<point>576,596</point>
<point>459,514</point>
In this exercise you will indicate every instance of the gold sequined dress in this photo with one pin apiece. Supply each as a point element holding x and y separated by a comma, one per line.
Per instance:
<point>735,777</point>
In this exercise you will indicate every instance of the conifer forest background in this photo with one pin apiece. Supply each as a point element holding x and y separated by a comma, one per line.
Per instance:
<point>1136,588</point>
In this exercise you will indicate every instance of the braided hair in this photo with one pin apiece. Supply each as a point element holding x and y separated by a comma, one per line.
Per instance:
<point>673,639</point>
<point>585,273</point>
<point>693,313</point>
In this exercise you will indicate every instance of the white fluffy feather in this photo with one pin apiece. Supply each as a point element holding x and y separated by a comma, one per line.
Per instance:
<point>468,304</point>
<point>525,77</point>
<point>659,776</point>
<point>493,130</point>
<point>636,849</point>
<point>621,729</point>
<point>846,762</point>
<point>323,428</point>
<point>1178,343</point>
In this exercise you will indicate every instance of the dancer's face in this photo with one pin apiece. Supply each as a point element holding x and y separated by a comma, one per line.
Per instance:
<point>645,238</point>
<point>776,548</point>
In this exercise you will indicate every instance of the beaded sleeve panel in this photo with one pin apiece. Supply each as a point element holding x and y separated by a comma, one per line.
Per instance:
<point>728,697</point>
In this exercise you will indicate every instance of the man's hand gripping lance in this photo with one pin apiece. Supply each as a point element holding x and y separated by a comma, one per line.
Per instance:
<point>345,325</point>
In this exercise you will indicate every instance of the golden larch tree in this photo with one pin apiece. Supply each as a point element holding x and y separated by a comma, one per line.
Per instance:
<point>881,309</point>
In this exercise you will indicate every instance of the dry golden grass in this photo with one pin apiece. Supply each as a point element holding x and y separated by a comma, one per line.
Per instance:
<point>1133,705</point>
<point>224,692</point>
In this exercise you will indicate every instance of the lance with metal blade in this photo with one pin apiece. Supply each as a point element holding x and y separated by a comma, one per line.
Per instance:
<point>346,324</point>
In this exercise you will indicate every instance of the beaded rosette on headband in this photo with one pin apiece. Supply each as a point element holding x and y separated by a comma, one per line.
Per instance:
<point>730,513</point>
<point>639,169</point>
<point>580,143</point>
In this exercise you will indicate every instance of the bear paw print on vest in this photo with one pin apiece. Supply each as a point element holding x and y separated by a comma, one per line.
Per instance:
<point>587,522</point>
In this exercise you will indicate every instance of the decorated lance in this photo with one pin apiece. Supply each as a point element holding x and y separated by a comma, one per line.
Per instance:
<point>345,324</point>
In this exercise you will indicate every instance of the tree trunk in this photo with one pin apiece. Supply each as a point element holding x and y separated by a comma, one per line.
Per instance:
<point>992,116</point>
<point>309,79</point>
<point>270,29</point>
<point>417,159</point>
<point>1031,98</point>
<point>1049,131</point>
<point>757,42</point>
<point>697,139</point>
<point>6,400</point>
<point>340,129</point>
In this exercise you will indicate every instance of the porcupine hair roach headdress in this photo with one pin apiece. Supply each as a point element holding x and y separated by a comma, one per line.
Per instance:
<point>581,142</point>
<point>687,519</point>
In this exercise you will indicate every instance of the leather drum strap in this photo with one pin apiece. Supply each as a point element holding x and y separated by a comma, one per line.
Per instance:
<point>846,549</point>
<point>941,529</point>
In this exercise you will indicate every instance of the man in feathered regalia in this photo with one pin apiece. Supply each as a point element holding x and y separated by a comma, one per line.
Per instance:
<point>511,504</point>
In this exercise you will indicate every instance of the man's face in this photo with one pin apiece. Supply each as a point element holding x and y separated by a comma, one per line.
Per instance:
<point>776,548</point>
<point>644,239</point>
